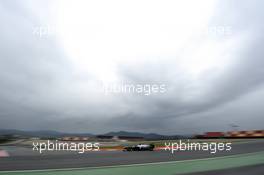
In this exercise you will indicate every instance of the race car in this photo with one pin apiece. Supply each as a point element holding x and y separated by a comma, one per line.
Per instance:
<point>140,147</point>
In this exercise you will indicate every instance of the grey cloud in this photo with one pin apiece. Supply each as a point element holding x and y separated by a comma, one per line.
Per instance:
<point>39,90</point>
<point>243,77</point>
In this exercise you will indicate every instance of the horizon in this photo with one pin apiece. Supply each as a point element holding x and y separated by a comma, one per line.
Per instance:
<point>129,132</point>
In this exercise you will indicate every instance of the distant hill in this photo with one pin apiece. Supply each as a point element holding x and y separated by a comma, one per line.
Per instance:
<point>40,133</point>
<point>144,135</point>
<point>51,134</point>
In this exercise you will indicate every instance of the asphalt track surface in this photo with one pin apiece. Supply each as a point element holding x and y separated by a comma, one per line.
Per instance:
<point>109,158</point>
<point>246,170</point>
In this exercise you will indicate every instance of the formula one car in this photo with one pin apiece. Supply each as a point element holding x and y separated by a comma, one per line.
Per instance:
<point>140,147</point>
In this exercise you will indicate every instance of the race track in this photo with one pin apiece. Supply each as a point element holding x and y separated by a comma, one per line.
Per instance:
<point>19,161</point>
<point>246,170</point>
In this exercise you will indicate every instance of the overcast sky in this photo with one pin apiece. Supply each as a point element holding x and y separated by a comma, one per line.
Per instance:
<point>55,57</point>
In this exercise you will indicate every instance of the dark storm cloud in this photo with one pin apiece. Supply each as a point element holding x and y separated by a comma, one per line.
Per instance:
<point>39,89</point>
<point>28,66</point>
